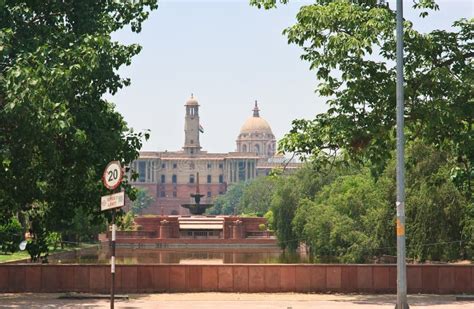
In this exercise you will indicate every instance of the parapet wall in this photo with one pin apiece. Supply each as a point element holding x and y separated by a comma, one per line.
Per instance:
<point>430,279</point>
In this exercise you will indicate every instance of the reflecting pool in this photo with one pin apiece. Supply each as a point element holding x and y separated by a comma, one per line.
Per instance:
<point>101,255</point>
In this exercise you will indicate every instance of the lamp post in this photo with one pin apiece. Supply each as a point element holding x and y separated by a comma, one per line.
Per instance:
<point>401,250</point>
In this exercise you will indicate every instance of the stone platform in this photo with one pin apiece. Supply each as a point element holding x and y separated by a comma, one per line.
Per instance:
<point>213,230</point>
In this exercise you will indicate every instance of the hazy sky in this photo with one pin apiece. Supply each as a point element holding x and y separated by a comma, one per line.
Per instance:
<point>228,54</point>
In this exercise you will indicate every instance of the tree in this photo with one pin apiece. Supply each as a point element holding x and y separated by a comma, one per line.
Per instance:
<point>228,203</point>
<point>351,47</point>
<point>10,236</point>
<point>439,218</point>
<point>284,204</point>
<point>257,196</point>
<point>342,220</point>
<point>57,132</point>
<point>352,219</point>
<point>143,201</point>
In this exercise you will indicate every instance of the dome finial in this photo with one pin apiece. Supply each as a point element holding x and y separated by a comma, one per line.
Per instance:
<point>192,95</point>
<point>256,110</point>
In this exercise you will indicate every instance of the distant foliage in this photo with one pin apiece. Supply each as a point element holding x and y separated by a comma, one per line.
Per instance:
<point>57,132</point>
<point>344,205</point>
<point>142,201</point>
<point>11,234</point>
<point>228,203</point>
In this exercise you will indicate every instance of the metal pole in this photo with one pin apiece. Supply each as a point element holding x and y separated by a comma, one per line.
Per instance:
<point>401,266</point>
<point>112,262</point>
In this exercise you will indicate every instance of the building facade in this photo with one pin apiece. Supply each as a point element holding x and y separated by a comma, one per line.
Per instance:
<point>170,177</point>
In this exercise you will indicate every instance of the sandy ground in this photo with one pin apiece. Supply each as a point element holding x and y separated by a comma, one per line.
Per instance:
<point>234,301</point>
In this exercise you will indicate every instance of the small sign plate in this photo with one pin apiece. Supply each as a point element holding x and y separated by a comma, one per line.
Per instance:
<point>113,175</point>
<point>112,201</point>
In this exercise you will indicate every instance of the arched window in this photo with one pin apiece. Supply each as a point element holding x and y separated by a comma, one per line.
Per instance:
<point>257,148</point>
<point>244,148</point>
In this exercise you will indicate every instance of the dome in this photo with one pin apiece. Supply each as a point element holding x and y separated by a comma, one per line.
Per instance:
<point>256,136</point>
<point>255,125</point>
<point>192,100</point>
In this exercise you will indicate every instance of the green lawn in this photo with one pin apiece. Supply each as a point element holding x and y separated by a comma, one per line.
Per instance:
<point>20,255</point>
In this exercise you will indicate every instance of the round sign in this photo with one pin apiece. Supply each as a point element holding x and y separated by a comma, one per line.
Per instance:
<point>112,175</point>
<point>23,245</point>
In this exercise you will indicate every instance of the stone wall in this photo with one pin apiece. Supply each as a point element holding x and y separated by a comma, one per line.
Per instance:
<point>151,225</point>
<point>431,279</point>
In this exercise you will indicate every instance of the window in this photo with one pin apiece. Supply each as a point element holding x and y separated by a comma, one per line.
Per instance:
<point>162,194</point>
<point>192,141</point>
<point>209,165</point>
<point>209,178</point>
<point>163,178</point>
<point>174,179</point>
<point>221,178</point>
<point>175,194</point>
<point>208,193</point>
<point>191,178</point>
<point>241,172</point>
<point>244,148</point>
<point>221,193</point>
<point>163,165</point>
<point>257,148</point>
<point>221,165</point>
<point>175,165</point>
<point>192,151</point>
<point>141,171</point>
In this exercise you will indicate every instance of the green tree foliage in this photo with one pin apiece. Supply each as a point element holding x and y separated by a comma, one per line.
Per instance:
<point>143,201</point>
<point>127,222</point>
<point>342,220</point>
<point>11,234</point>
<point>83,227</point>
<point>352,219</point>
<point>257,196</point>
<point>351,47</point>
<point>437,213</point>
<point>57,132</point>
<point>228,203</point>
<point>284,204</point>
<point>269,216</point>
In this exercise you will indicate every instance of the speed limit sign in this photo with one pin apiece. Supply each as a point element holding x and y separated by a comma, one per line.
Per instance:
<point>112,176</point>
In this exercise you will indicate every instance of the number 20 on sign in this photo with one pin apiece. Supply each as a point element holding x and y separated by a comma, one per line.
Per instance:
<point>112,176</point>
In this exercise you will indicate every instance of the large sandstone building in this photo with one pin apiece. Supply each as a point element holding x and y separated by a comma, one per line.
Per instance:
<point>170,177</point>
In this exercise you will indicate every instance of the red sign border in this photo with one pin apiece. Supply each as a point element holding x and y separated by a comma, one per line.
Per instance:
<point>120,177</point>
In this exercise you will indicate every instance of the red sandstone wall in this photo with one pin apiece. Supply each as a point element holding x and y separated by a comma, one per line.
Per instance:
<point>153,224</point>
<point>437,279</point>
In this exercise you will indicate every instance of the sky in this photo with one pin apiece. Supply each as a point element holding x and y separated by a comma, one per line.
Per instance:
<point>228,54</point>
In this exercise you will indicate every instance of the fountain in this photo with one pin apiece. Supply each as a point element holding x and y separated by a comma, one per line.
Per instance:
<point>197,208</point>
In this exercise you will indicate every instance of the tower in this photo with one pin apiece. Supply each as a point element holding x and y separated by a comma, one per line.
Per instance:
<point>191,127</point>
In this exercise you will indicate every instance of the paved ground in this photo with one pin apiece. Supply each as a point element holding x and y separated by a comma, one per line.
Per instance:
<point>234,301</point>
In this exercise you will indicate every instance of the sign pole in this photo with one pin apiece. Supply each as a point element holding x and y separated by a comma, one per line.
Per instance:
<point>112,178</point>
<point>401,249</point>
<point>112,262</point>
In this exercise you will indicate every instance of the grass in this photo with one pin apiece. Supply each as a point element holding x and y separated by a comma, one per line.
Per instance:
<point>21,255</point>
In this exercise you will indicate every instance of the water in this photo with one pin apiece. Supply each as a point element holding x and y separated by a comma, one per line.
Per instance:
<point>180,256</point>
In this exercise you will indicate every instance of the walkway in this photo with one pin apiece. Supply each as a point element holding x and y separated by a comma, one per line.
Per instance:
<point>235,301</point>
